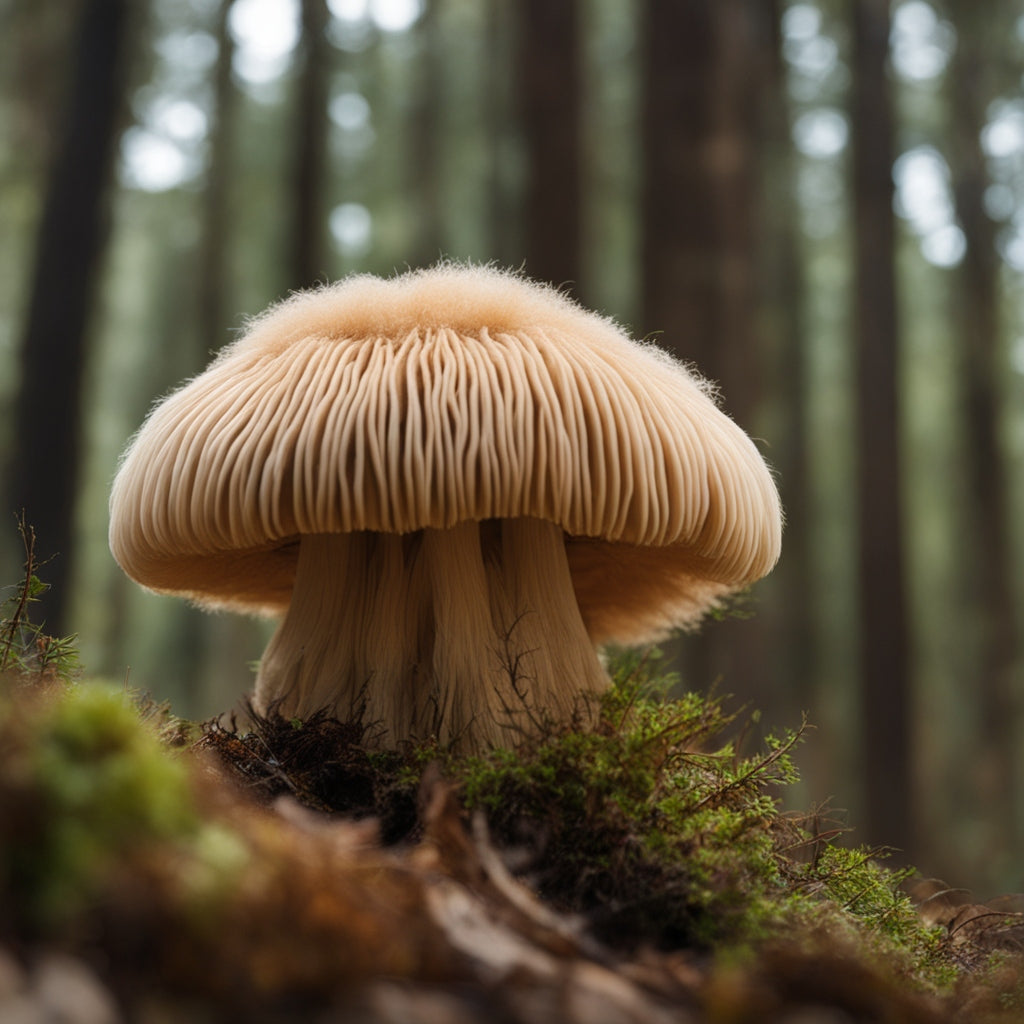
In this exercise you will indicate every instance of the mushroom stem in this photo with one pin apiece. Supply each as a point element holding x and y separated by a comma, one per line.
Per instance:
<point>542,626</point>
<point>347,630</point>
<point>470,634</point>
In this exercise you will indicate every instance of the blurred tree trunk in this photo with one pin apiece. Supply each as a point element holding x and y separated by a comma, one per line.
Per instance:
<point>885,692</point>
<point>214,277</point>
<point>988,546</point>
<point>703,64</point>
<point>35,41</point>
<point>70,244</point>
<point>425,169</point>
<point>700,62</point>
<point>503,228</point>
<point>783,298</point>
<point>308,263</point>
<point>549,76</point>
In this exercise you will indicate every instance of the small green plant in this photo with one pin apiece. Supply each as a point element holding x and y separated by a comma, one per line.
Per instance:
<point>26,650</point>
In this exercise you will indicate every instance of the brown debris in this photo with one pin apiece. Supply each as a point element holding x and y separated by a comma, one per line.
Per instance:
<point>324,765</point>
<point>997,924</point>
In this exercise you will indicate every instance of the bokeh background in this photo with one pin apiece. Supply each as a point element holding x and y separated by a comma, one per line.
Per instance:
<point>820,204</point>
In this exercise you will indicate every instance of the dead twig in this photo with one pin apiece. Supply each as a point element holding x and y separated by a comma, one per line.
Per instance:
<point>25,592</point>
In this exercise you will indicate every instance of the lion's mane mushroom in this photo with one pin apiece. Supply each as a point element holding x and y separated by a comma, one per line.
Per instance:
<point>452,484</point>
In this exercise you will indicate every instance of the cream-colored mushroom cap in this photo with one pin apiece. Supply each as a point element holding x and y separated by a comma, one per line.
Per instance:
<point>437,397</point>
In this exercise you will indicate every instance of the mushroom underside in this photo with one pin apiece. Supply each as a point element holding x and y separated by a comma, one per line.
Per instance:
<point>472,635</point>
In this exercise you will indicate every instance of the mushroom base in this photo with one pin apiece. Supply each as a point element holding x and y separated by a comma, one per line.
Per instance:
<point>471,635</point>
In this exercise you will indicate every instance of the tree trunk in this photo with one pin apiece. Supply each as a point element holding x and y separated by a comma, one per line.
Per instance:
<point>793,625</point>
<point>309,171</point>
<point>503,227</point>
<point>702,64</point>
<point>885,691</point>
<point>988,544</point>
<point>71,240</point>
<point>214,277</point>
<point>425,170</point>
<point>549,74</point>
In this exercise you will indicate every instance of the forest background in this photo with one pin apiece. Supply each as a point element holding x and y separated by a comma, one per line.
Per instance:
<point>820,204</point>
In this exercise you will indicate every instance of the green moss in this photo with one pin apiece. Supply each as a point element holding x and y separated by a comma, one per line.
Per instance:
<point>85,779</point>
<point>647,829</point>
<point>656,830</point>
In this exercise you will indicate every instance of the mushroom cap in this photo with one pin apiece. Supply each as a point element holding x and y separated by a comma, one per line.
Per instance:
<point>440,396</point>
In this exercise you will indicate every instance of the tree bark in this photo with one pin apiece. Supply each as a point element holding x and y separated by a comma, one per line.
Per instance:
<point>71,240</point>
<point>549,74</point>
<point>885,688</point>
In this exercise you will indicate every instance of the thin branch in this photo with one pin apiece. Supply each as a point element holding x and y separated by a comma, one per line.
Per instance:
<point>11,626</point>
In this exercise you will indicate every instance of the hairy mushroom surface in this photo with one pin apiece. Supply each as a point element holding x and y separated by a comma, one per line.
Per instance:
<point>451,484</point>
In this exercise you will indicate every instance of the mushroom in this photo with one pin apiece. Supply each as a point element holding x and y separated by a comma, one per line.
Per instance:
<point>452,485</point>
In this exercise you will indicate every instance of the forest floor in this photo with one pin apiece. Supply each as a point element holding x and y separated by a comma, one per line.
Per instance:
<point>637,870</point>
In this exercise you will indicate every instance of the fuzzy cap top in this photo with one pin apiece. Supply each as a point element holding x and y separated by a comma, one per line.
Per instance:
<point>439,396</point>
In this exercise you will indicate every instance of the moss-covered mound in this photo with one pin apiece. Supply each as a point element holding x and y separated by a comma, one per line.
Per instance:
<point>646,825</point>
<point>638,870</point>
<point>624,874</point>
